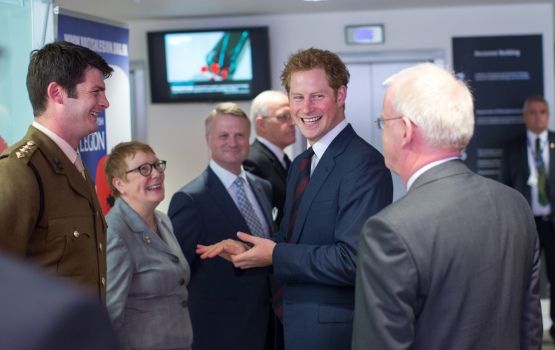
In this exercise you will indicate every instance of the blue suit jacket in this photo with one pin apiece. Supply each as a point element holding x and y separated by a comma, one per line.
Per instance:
<point>228,310</point>
<point>349,184</point>
<point>147,289</point>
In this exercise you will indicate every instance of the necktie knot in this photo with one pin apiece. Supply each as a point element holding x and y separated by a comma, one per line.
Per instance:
<point>79,165</point>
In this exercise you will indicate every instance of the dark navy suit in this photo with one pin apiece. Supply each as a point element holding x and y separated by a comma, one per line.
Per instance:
<point>228,310</point>
<point>264,163</point>
<point>349,184</point>
<point>515,173</point>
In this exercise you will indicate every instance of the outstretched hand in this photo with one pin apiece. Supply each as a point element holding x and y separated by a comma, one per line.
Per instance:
<point>224,249</point>
<point>242,255</point>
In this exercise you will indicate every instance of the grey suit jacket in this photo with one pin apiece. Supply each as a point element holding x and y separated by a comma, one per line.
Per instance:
<point>454,264</point>
<point>148,276</point>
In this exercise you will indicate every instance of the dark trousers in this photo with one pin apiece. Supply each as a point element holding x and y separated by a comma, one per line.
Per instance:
<point>546,234</point>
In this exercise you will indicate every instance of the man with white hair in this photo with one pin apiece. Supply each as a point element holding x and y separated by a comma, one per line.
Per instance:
<point>275,130</point>
<point>453,264</point>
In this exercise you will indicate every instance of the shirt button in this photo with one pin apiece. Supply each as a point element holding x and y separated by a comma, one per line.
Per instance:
<point>100,246</point>
<point>103,281</point>
<point>76,233</point>
<point>184,303</point>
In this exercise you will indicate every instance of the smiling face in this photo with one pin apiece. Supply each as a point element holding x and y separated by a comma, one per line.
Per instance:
<point>142,193</point>
<point>314,106</point>
<point>228,140</point>
<point>81,112</point>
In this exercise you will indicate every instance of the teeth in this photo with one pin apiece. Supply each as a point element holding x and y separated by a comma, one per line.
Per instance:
<point>311,120</point>
<point>153,187</point>
<point>94,113</point>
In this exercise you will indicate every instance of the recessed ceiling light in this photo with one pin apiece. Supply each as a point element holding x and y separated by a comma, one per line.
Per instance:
<point>314,0</point>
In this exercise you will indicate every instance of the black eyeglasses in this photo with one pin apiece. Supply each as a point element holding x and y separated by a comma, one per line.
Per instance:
<point>146,169</point>
<point>380,121</point>
<point>284,118</point>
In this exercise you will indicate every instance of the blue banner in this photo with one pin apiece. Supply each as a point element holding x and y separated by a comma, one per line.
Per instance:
<point>110,40</point>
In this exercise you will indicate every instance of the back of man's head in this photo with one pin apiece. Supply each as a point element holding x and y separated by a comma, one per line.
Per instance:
<point>439,104</point>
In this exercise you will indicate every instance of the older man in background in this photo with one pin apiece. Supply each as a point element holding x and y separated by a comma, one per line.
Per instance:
<point>454,264</point>
<point>275,130</point>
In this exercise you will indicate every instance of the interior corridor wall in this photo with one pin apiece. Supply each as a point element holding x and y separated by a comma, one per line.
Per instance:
<point>176,131</point>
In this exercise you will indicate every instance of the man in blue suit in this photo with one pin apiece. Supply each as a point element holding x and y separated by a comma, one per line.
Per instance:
<point>228,310</point>
<point>314,254</point>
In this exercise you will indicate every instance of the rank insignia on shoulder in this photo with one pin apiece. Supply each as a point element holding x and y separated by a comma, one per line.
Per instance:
<point>24,150</point>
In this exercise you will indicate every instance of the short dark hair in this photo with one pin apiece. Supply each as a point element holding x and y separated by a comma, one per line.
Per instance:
<point>533,98</point>
<point>64,63</point>
<point>337,73</point>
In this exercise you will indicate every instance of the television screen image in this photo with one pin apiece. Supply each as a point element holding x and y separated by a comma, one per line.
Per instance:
<point>209,65</point>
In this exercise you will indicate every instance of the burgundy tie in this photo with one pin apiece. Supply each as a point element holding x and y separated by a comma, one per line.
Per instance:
<point>302,182</point>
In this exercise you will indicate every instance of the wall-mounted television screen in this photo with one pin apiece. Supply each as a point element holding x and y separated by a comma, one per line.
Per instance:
<point>208,65</point>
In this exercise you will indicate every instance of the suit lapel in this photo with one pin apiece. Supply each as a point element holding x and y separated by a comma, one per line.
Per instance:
<point>551,171</point>
<point>263,202</point>
<point>138,226</point>
<point>223,200</point>
<point>276,163</point>
<point>325,166</point>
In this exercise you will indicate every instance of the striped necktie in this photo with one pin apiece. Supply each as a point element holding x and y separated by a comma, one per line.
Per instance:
<point>542,177</point>
<point>301,184</point>
<point>79,165</point>
<point>245,206</point>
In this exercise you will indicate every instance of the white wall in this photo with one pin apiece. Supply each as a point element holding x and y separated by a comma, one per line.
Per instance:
<point>176,131</point>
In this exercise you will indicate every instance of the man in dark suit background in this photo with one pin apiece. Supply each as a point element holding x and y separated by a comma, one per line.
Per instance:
<point>454,264</point>
<point>528,165</point>
<point>228,310</point>
<point>313,256</point>
<point>275,130</point>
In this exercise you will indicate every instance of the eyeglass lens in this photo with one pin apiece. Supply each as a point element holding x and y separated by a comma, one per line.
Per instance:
<point>146,169</point>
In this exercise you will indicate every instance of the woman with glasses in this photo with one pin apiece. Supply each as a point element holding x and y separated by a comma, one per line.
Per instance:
<point>146,292</point>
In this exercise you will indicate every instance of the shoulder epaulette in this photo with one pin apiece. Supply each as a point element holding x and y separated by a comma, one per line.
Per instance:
<point>24,152</point>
